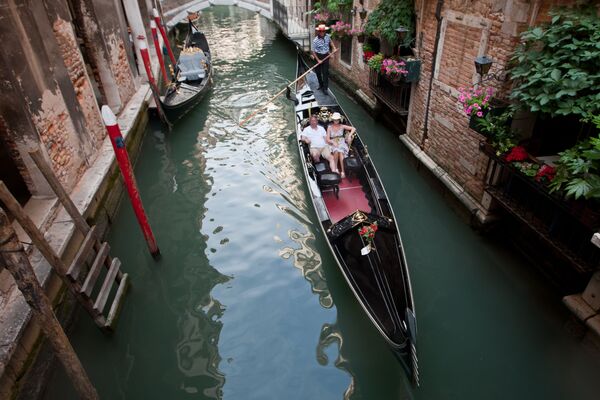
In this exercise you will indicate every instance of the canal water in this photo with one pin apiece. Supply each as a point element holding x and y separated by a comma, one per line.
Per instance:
<point>247,303</point>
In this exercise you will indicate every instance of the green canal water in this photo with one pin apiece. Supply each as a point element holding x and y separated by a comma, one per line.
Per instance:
<point>247,303</point>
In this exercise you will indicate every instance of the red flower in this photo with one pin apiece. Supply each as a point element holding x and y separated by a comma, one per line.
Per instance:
<point>518,153</point>
<point>367,54</point>
<point>368,232</point>
<point>545,174</point>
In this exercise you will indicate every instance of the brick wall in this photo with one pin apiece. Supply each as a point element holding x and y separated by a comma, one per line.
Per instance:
<point>121,67</point>
<point>470,29</point>
<point>76,68</point>
<point>57,133</point>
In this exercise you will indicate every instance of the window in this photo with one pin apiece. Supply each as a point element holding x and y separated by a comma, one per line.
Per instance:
<point>346,50</point>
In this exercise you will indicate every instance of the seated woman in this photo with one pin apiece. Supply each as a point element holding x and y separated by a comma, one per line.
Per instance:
<point>339,141</point>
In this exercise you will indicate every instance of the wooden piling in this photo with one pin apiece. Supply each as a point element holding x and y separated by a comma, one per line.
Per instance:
<point>16,262</point>
<point>48,252</point>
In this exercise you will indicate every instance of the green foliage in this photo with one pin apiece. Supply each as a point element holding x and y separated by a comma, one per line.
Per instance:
<point>556,66</point>
<point>367,47</point>
<point>497,128</point>
<point>527,168</point>
<point>376,61</point>
<point>389,15</point>
<point>578,169</point>
<point>335,5</point>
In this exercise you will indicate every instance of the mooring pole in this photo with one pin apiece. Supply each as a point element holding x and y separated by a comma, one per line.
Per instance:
<point>161,61</point>
<point>153,87</point>
<point>114,132</point>
<point>164,35</point>
<point>14,259</point>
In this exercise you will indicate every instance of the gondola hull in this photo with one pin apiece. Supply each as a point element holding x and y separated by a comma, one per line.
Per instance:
<point>378,273</point>
<point>182,96</point>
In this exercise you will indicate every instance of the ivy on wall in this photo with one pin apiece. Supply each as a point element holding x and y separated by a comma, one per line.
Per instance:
<point>389,15</point>
<point>557,66</point>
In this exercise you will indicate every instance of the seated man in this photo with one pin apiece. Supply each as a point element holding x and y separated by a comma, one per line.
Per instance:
<point>315,136</point>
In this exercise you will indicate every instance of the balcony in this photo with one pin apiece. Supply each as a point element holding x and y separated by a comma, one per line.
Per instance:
<point>396,96</point>
<point>565,225</point>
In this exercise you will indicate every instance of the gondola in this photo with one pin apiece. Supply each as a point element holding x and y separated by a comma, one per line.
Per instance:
<point>193,76</point>
<point>379,279</point>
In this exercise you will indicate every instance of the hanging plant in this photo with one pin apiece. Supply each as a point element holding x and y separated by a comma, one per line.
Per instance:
<point>390,15</point>
<point>556,66</point>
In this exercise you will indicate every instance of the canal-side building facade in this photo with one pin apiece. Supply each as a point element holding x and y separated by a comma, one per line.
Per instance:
<point>61,61</point>
<point>449,35</point>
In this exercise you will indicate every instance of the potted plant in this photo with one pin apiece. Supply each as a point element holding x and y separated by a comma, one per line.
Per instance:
<point>498,131</point>
<point>374,64</point>
<point>321,17</point>
<point>340,30</point>
<point>367,52</point>
<point>376,61</point>
<point>476,104</point>
<point>393,70</point>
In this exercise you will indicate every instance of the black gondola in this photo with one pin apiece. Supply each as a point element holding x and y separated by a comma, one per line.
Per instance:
<point>380,279</point>
<point>193,76</point>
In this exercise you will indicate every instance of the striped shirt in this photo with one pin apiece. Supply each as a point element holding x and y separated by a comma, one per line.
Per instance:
<point>321,44</point>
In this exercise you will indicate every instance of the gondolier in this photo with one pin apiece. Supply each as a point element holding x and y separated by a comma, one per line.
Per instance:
<point>321,47</point>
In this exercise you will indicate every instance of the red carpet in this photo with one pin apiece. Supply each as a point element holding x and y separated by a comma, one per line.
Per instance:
<point>352,198</point>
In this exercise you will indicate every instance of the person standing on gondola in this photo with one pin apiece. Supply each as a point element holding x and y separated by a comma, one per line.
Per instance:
<point>321,47</point>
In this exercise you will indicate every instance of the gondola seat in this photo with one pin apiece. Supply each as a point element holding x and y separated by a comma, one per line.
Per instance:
<point>352,165</point>
<point>330,180</point>
<point>321,167</point>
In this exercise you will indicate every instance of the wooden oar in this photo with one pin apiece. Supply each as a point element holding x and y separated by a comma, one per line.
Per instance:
<point>248,118</point>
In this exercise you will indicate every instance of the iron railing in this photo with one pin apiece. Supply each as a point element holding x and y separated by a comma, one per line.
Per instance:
<point>566,225</point>
<point>395,95</point>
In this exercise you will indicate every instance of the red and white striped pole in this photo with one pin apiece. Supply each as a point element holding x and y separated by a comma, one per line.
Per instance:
<point>161,61</point>
<point>164,35</point>
<point>114,132</point>
<point>146,58</point>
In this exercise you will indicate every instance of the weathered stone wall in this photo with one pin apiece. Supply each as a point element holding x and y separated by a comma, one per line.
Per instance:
<point>67,42</point>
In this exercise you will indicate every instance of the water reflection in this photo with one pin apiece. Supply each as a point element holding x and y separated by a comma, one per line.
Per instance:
<point>308,261</point>
<point>330,334</point>
<point>198,351</point>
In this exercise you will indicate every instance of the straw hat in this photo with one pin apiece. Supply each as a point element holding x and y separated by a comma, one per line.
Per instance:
<point>336,116</point>
<point>321,28</point>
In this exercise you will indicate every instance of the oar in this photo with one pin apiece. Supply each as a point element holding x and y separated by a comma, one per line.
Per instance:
<point>248,118</point>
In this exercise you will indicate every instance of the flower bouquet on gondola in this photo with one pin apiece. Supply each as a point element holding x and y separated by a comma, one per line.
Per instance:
<point>367,233</point>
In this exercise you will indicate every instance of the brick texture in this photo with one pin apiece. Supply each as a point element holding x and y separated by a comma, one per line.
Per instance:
<point>449,140</point>
<point>76,68</point>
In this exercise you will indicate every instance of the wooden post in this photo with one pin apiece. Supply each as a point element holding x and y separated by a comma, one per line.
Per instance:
<point>78,220</point>
<point>17,263</point>
<point>48,252</point>
<point>60,192</point>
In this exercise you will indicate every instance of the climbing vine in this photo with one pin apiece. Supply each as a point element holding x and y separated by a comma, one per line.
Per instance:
<point>556,66</point>
<point>389,15</point>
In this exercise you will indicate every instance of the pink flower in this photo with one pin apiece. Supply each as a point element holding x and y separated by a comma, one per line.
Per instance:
<point>479,114</point>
